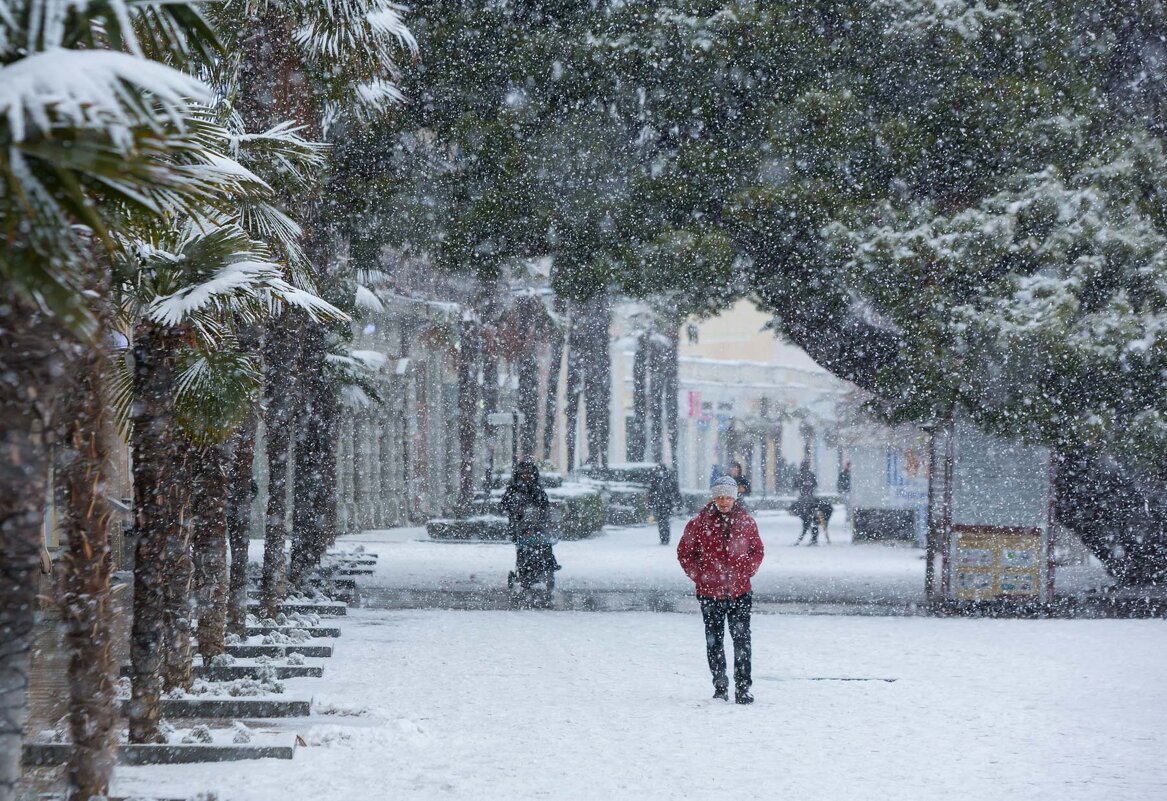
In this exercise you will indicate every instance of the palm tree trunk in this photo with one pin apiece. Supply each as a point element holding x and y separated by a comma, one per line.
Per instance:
<point>325,499</point>
<point>636,435</point>
<point>657,369</point>
<point>670,386</point>
<point>209,550</point>
<point>470,348</point>
<point>528,401</point>
<point>240,495</point>
<point>311,445</point>
<point>30,368</point>
<point>85,599</point>
<point>550,411</point>
<point>575,381</point>
<point>178,611</point>
<point>597,376</point>
<point>281,357</point>
<point>161,494</point>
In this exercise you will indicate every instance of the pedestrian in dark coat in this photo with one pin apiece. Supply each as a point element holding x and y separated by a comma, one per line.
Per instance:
<point>807,482</point>
<point>843,485</point>
<point>527,507</point>
<point>806,506</point>
<point>743,482</point>
<point>663,497</point>
<point>721,551</point>
<point>525,500</point>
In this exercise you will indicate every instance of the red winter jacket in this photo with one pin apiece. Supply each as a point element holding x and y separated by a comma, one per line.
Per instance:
<point>721,552</point>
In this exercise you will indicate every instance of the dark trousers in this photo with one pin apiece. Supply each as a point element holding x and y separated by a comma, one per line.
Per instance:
<point>810,524</point>
<point>717,612</point>
<point>662,526</point>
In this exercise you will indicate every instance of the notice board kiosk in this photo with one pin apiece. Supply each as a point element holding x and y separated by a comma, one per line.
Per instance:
<point>989,519</point>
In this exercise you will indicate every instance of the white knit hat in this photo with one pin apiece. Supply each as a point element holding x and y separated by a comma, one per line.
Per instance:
<point>724,487</point>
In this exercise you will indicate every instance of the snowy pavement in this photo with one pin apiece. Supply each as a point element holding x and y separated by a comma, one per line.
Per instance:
<point>529,704</point>
<point>632,560</point>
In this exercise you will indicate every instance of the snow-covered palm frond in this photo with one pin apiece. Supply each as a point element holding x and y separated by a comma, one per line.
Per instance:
<point>388,19</point>
<point>216,274</point>
<point>295,297</point>
<point>174,32</point>
<point>171,31</point>
<point>367,300</point>
<point>359,374</point>
<point>283,148</point>
<point>373,97</point>
<point>266,222</point>
<point>102,90</point>
<point>226,291</point>
<point>216,390</point>
<point>353,46</point>
<point>78,190</point>
<point>335,28</point>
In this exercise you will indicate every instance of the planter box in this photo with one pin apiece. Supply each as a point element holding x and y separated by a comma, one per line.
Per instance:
<point>481,527</point>
<point>580,509</point>
<point>315,631</point>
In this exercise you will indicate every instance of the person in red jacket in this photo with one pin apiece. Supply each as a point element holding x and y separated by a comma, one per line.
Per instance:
<point>721,551</point>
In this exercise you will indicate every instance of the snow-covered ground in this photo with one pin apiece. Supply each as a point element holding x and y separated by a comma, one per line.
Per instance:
<point>531,704</point>
<point>632,559</point>
<point>424,703</point>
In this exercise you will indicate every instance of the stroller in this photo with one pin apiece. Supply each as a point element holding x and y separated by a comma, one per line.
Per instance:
<point>535,561</point>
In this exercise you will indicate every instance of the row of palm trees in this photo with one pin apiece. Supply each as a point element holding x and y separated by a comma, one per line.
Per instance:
<point>164,247</point>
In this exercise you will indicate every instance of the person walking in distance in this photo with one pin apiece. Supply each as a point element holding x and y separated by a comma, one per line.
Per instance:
<point>721,551</point>
<point>843,485</point>
<point>806,505</point>
<point>663,497</point>
<point>743,482</point>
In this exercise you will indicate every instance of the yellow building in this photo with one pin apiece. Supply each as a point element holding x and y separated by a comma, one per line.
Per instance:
<point>743,395</point>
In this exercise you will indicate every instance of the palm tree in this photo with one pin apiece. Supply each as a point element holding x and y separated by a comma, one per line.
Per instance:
<point>191,386</point>
<point>89,132</point>
<point>330,68</point>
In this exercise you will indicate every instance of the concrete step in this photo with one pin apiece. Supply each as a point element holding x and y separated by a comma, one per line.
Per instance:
<point>233,672</point>
<point>184,708</point>
<point>178,754</point>
<point>346,596</point>
<point>280,649</point>
<point>324,608</point>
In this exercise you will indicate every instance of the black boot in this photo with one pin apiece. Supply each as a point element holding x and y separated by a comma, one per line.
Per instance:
<point>743,697</point>
<point>721,693</point>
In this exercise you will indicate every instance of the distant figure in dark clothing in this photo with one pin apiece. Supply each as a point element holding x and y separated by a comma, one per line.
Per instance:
<point>743,483</point>
<point>843,485</point>
<point>524,499</point>
<point>806,506</point>
<point>663,497</point>
<point>526,505</point>
<point>807,482</point>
